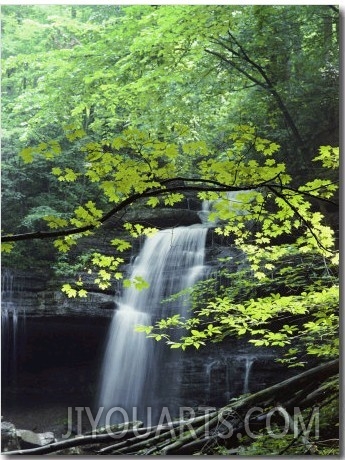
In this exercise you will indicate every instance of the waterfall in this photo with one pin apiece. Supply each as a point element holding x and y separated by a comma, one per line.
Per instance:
<point>7,279</point>
<point>249,360</point>
<point>170,261</point>
<point>12,326</point>
<point>205,211</point>
<point>227,376</point>
<point>209,367</point>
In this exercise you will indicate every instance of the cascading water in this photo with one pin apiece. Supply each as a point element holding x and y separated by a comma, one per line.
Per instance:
<point>12,327</point>
<point>170,261</point>
<point>249,360</point>
<point>227,373</point>
<point>209,367</point>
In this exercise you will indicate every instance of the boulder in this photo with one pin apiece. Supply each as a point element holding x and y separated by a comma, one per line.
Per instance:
<point>28,439</point>
<point>9,439</point>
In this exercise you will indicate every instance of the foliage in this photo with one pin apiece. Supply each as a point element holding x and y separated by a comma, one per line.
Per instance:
<point>110,106</point>
<point>294,307</point>
<point>313,302</point>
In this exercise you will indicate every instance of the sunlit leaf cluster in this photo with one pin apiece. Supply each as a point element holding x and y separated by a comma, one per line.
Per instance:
<point>294,305</point>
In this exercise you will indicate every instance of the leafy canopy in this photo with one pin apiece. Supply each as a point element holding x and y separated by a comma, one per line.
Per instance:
<point>113,106</point>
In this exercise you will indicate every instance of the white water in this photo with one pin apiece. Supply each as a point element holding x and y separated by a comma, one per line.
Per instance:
<point>224,372</point>
<point>12,327</point>
<point>249,360</point>
<point>209,367</point>
<point>170,261</point>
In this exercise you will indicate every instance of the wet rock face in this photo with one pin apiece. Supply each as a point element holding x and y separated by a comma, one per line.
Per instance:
<point>54,357</point>
<point>60,342</point>
<point>25,294</point>
<point>39,294</point>
<point>59,362</point>
<point>213,375</point>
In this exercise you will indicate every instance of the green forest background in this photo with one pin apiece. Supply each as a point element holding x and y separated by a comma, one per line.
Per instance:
<point>108,107</point>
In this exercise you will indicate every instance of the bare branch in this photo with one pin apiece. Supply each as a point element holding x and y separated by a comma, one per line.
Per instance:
<point>267,84</point>
<point>235,66</point>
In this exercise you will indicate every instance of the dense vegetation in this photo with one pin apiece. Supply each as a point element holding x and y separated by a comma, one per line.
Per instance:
<point>108,107</point>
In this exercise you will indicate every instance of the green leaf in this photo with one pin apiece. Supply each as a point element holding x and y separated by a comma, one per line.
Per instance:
<point>7,247</point>
<point>27,154</point>
<point>82,293</point>
<point>173,198</point>
<point>153,201</point>
<point>71,292</point>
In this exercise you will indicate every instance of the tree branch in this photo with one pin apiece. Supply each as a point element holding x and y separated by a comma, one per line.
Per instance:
<point>308,194</point>
<point>235,66</point>
<point>296,211</point>
<point>267,84</point>
<point>212,187</point>
<point>188,184</point>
